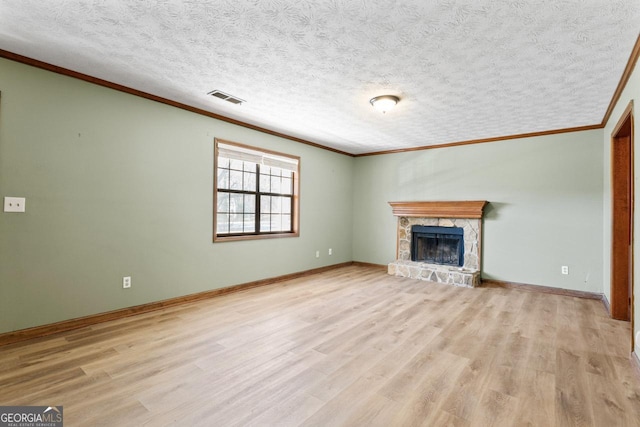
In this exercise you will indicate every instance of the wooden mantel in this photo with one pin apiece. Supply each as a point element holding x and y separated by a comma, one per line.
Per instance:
<point>461,209</point>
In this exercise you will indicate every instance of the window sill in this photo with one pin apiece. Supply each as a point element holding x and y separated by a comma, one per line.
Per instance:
<point>236,238</point>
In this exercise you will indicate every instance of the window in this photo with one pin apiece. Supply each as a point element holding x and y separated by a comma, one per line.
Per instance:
<point>256,193</point>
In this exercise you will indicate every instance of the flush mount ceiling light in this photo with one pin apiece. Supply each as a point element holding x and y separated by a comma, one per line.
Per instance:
<point>384,103</point>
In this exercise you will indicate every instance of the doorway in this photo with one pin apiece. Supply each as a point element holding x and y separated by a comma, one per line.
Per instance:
<point>622,218</point>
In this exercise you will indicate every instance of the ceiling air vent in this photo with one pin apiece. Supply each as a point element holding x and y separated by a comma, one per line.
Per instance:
<point>225,96</point>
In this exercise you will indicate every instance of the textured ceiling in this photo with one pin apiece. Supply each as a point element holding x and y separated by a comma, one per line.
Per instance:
<point>464,69</point>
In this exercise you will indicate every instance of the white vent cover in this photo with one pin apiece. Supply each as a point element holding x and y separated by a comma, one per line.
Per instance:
<point>229,98</point>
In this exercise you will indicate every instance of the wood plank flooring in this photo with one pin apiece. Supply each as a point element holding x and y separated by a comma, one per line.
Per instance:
<point>348,347</point>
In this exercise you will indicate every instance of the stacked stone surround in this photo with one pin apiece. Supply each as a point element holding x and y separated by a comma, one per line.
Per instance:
<point>468,275</point>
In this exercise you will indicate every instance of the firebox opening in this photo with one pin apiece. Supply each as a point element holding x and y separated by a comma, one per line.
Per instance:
<point>437,245</point>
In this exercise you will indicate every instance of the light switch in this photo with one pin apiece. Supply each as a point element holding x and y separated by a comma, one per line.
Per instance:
<point>14,204</point>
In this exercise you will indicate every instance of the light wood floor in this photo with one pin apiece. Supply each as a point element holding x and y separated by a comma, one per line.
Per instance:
<point>350,347</point>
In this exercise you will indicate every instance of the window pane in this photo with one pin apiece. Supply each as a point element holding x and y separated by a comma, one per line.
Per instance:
<point>287,186</point>
<point>287,174</point>
<point>236,203</point>
<point>223,162</point>
<point>249,181</point>
<point>250,167</point>
<point>265,169</point>
<point>236,164</point>
<point>249,223</point>
<point>236,223</point>
<point>223,202</point>
<point>235,180</point>
<point>286,205</point>
<point>223,178</point>
<point>286,222</point>
<point>276,222</point>
<point>222,223</point>
<point>276,204</point>
<point>249,203</point>
<point>265,222</point>
<point>265,204</point>
<point>275,184</point>
<point>265,183</point>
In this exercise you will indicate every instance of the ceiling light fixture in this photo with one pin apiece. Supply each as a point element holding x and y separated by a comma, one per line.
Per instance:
<point>384,103</point>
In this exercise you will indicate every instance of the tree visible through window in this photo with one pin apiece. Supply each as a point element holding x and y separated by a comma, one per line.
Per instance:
<point>256,193</point>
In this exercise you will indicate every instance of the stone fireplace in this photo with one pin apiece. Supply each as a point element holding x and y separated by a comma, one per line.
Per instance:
<point>439,241</point>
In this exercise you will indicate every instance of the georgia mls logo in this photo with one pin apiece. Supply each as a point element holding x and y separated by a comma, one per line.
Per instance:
<point>31,416</point>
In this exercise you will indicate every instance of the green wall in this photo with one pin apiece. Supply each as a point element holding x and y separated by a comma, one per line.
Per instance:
<point>117,185</point>
<point>630,93</point>
<point>545,209</point>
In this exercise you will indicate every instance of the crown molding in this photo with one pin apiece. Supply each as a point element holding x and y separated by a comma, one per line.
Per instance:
<point>624,79</point>
<point>484,140</point>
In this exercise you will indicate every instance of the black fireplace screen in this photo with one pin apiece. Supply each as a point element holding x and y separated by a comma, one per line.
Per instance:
<point>437,245</point>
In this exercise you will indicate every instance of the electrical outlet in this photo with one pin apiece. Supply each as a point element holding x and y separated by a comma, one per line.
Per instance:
<point>565,269</point>
<point>126,282</point>
<point>14,204</point>
<point>317,254</point>
<point>330,251</point>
